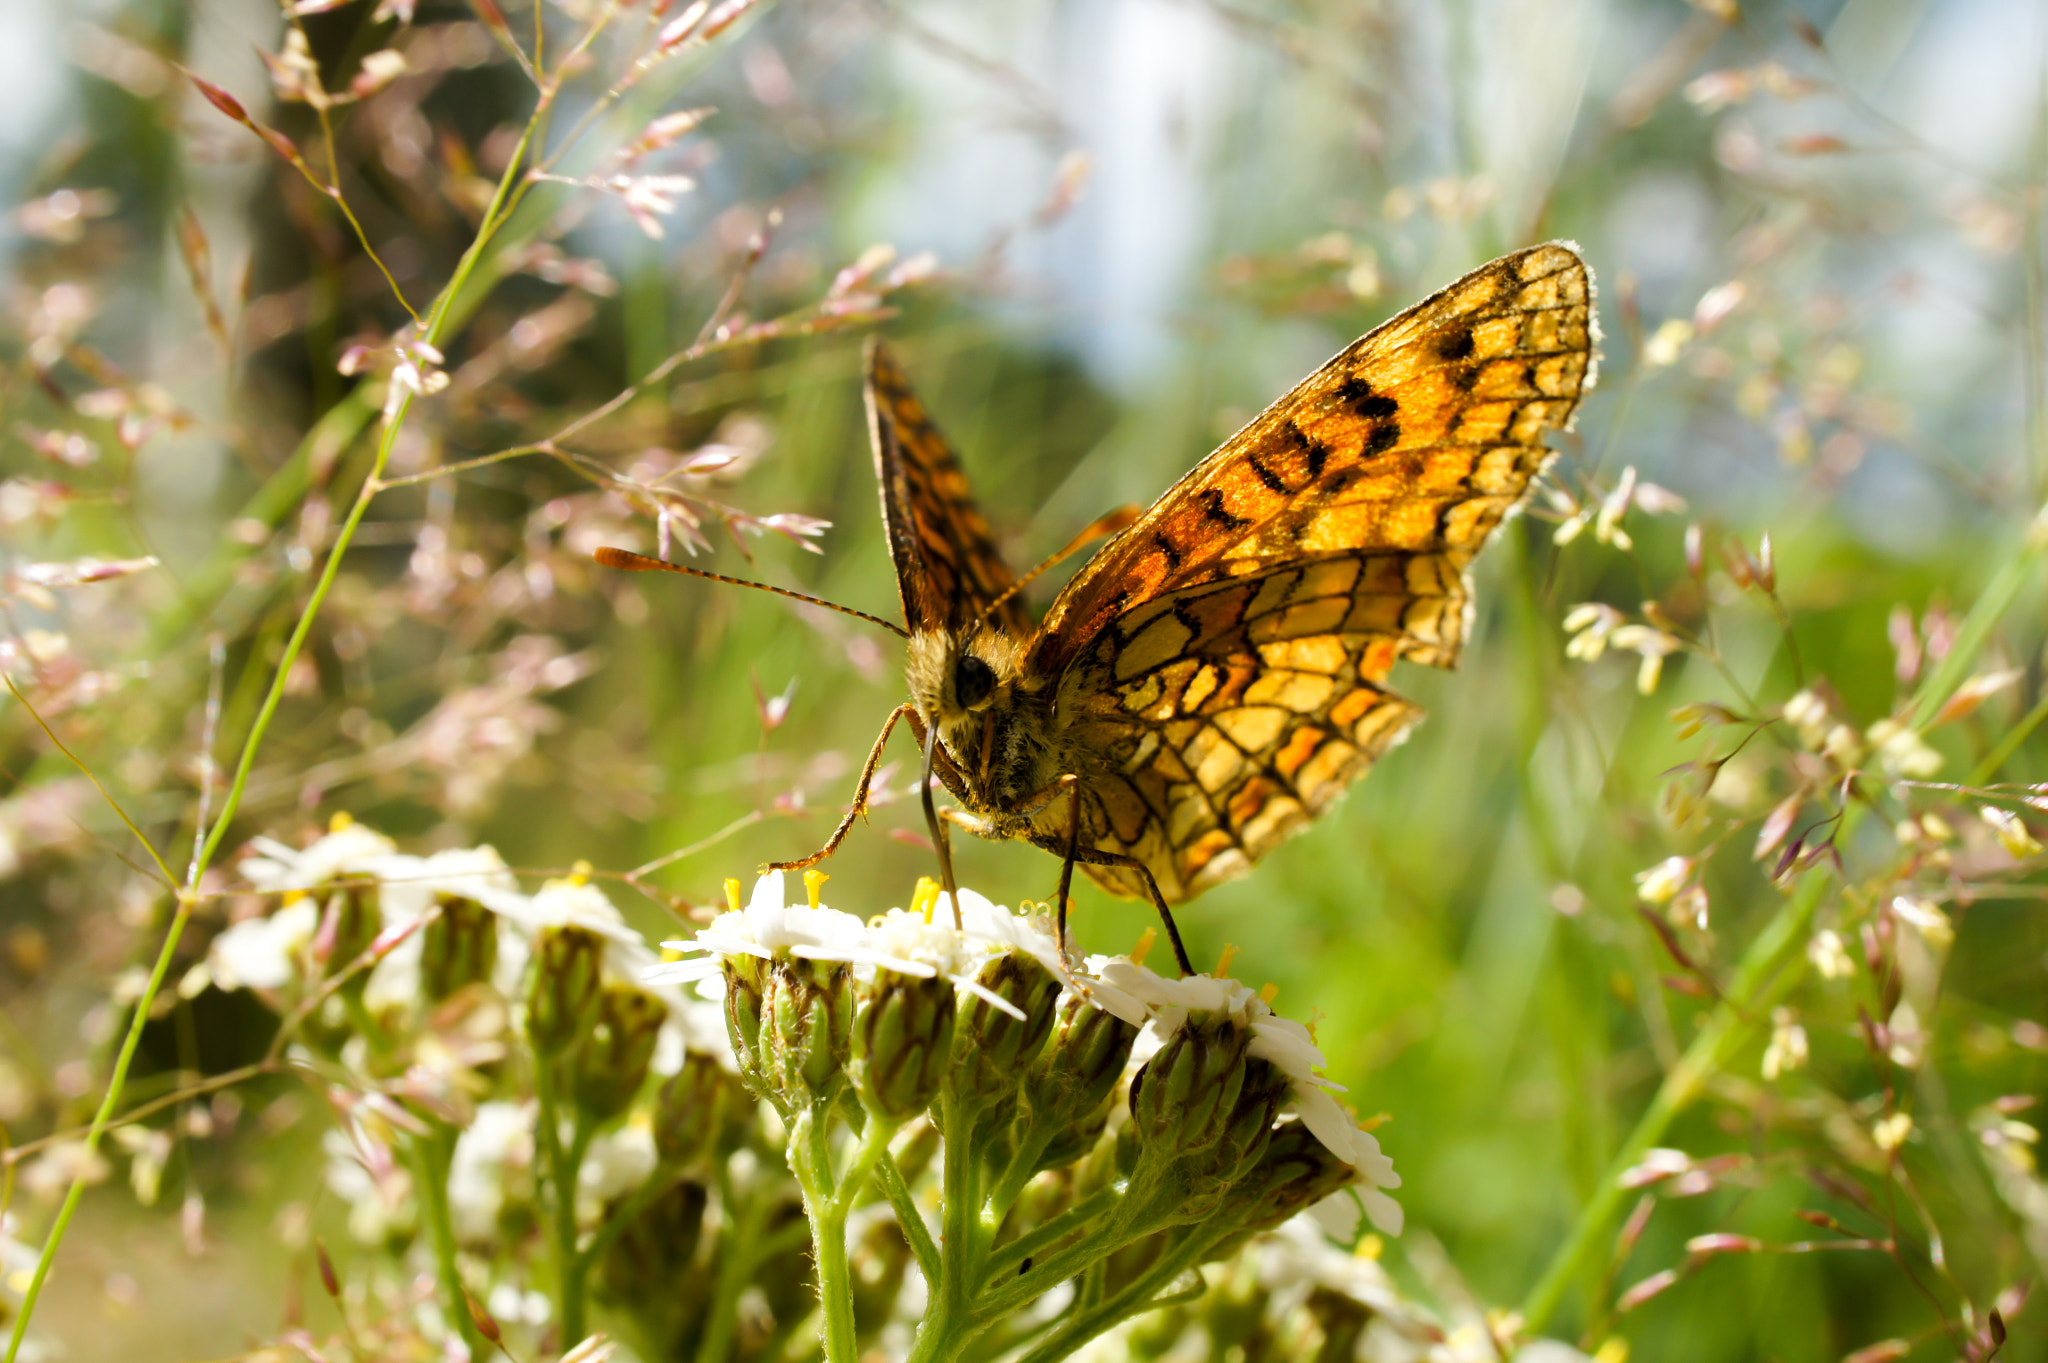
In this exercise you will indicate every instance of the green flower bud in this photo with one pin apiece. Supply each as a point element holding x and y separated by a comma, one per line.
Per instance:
<point>1067,1093</point>
<point>348,925</point>
<point>460,946</point>
<point>567,978</point>
<point>790,1021</point>
<point>611,1061</point>
<point>746,988</point>
<point>1202,1112</point>
<point>992,1050</point>
<point>696,1111</point>
<point>902,1044</point>
<point>654,1251</point>
<point>1293,1173</point>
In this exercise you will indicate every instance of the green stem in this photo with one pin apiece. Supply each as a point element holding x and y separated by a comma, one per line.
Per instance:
<point>1774,963</point>
<point>429,1157</point>
<point>1140,1296</point>
<point>1006,1290</point>
<point>1088,1211</point>
<point>744,1218</point>
<point>563,1163</point>
<point>1976,629</point>
<point>99,1124</point>
<point>624,1214</point>
<point>909,1218</point>
<point>942,1333</point>
<point>810,1159</point>
<point>1768,970</point>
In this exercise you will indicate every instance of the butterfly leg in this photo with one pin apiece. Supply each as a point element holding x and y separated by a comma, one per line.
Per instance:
<point>1091,856</point>
<point>859,808</point>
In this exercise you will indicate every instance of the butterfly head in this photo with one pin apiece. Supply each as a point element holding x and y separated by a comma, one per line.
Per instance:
<point>959,679</point>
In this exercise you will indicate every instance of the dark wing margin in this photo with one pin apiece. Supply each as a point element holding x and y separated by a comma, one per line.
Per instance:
<point>948,570</point>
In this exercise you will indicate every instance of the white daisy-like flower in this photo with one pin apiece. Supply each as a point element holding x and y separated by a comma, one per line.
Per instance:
<point>575,903</point>
<point>1001,930</point>
<point>497,1143</point>
<point>767,927</point>
<point>1282,1042</point>
<point>1103,984</point>
<point>905,941</point>
<point>616,1163</point>
<point>348,850</point>
<point>264,953</point>
<point>408,885</point>
<point>1297,1259</point>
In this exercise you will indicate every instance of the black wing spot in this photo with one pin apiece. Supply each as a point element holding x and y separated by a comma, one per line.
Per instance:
<point>1215,510</point>
<point>1169,550</point>
<point>1381,438</point>
<point>1357,394</point>
<point>1318,455</point>
<point>1266,475</point>
<point>1456,345</point>
<point>1314,452</point>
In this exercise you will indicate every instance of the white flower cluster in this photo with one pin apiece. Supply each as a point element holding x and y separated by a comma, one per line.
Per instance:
<point>271,952</point>
<point>911,943</point>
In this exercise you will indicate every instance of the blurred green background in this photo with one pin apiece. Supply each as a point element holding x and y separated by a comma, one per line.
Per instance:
<point>1817,231</point>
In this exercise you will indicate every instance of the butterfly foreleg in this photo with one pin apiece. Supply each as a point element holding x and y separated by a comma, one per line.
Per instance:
<point>859,808</point>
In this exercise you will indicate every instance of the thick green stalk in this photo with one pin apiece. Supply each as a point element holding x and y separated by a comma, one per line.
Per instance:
<point>826,1208</point>
<point>944,1330</point>
<point>1768,970</point>
<point>745,1219</point>
<point>429,1157</point>
<point>117,1081</point>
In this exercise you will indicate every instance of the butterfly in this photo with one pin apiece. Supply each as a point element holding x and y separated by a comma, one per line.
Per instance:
<point>1214,677</point>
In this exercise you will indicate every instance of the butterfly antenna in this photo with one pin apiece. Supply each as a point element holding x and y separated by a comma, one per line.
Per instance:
<point>1109,523</point>
<point>631,562</point>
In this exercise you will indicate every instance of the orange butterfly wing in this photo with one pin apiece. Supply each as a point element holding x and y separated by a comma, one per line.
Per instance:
<point>1220,662</point>
<point>948,569</point>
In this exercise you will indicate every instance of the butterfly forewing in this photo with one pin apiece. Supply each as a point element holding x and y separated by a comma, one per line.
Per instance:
<point>948,569</point>
<point>1419,437</point>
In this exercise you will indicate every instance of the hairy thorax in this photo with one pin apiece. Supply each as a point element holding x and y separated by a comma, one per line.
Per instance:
<point>998,726</point>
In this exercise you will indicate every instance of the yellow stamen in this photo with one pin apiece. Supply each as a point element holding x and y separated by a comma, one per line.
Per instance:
<point>579,872</point>
<point>1269,992</point>
<point>814,881</point>
<point>1370,1247</point>
<point>1375,1122</point>
<point>341,820</point>
<point>1614,1350</point>
<point>1222,971</point>
<point>925,898</point>
<point>732,893</point>
<point>1144,947</point>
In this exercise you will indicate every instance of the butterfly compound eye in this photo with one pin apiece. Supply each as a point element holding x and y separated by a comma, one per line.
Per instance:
<point>973,681</point>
